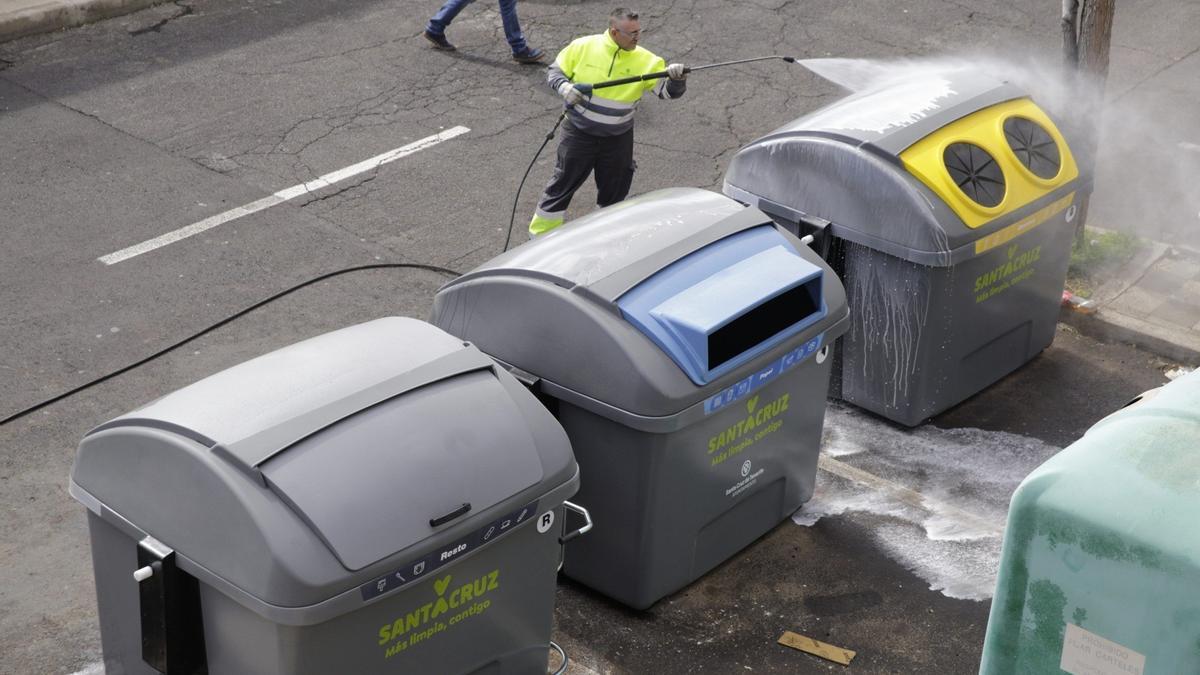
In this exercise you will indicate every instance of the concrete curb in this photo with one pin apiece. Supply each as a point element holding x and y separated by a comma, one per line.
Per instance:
<point>1131,273</point>
<point>50,15</point>
<point>1175,344</point>
<point>1111,325</point>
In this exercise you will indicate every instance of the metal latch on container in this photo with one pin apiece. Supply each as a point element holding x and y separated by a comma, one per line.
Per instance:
<point>534,384</point>
<point>587,522</point>
<point>169,599</point>
<point>812,230</point>
<point>528,379</point>
<point>816,231</point>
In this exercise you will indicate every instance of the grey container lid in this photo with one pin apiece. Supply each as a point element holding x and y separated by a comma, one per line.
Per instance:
<point>293,475</point>
<point>841,163</point>
<point>900,112</point>
<point>549,307</point>
<point>610,250</point>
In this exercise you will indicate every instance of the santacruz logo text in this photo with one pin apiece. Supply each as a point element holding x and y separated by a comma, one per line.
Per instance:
<point>454,604</point>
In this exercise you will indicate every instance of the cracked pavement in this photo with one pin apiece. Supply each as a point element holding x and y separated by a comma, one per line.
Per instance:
<point>119,131</point>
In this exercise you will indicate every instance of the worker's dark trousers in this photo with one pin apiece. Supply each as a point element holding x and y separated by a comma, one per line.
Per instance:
<point>578,155</point>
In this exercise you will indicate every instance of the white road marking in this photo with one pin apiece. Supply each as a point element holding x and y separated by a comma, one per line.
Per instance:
<point>1194,147</point>
<point>281,196</point>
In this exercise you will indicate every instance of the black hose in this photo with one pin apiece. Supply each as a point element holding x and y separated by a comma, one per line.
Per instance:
<point>358,268</point>
<point>612,83</point>
<point>512,219</point>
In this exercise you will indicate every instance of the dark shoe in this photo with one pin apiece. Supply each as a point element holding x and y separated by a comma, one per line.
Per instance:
<point>440,42</point>
<point>530,55</point>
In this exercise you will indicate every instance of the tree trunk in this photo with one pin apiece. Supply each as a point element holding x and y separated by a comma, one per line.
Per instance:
<point>1070,22</point>
<point>1087,35</point>
<point>1095,36</point>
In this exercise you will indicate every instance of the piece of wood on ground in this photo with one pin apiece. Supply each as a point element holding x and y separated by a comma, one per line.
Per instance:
<point>816,648</point>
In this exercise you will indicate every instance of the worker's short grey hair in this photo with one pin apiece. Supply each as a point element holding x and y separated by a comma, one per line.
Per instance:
<point>621,14</point>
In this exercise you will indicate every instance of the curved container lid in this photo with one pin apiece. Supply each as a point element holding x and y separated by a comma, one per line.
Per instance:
<point>651,305</point>
<point>902,111</point>
<point>1138,463</point>
<point>851,163</point>
<point>348,444</point>
<point>606,250</point>
<point>258,408</point>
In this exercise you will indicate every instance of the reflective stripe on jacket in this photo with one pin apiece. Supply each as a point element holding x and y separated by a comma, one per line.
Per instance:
<point>597,58</point>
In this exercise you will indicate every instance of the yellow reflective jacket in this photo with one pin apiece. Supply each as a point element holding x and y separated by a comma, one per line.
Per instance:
<point>597,58</point>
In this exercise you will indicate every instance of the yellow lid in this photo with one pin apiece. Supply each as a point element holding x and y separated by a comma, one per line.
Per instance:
<point>985,128</point>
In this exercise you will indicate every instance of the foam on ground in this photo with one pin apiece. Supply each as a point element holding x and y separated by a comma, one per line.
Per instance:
<point>935,500</point>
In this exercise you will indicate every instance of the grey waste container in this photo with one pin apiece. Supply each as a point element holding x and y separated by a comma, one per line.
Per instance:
<point>680,339</point>
<point>945,203</point>
<point>379,499</point>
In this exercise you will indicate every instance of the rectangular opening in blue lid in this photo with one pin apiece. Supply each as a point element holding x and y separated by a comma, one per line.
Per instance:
<point>764,322</point>
<point>723,305</point>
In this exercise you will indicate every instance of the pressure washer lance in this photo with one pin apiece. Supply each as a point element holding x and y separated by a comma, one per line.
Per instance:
<point>587,89</point>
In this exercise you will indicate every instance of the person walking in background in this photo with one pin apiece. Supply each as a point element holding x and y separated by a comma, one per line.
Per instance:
<point>435,30</point>
<point>598,132</point>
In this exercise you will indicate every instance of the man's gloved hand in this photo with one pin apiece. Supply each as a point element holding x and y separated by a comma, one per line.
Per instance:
<point>570,94</point>
<point>677,71</point>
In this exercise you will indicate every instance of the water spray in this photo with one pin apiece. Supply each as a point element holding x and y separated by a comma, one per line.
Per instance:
<point>587,89</point>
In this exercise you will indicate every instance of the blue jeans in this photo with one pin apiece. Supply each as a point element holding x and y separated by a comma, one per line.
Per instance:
<point>508,14</point>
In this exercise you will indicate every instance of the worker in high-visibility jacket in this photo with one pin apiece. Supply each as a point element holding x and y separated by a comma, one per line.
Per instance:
<point>598,132</point>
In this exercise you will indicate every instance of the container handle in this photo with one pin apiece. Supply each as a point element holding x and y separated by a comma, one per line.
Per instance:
<point>587,524</point>
<point>442,520</point>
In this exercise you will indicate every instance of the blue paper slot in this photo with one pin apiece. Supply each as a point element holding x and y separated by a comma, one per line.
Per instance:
<point>721,306</point>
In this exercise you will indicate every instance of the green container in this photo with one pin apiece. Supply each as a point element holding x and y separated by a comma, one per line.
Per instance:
<point>1100,572</point>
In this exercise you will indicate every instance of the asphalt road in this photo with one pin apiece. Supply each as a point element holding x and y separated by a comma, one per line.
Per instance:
<point>116,133</point>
